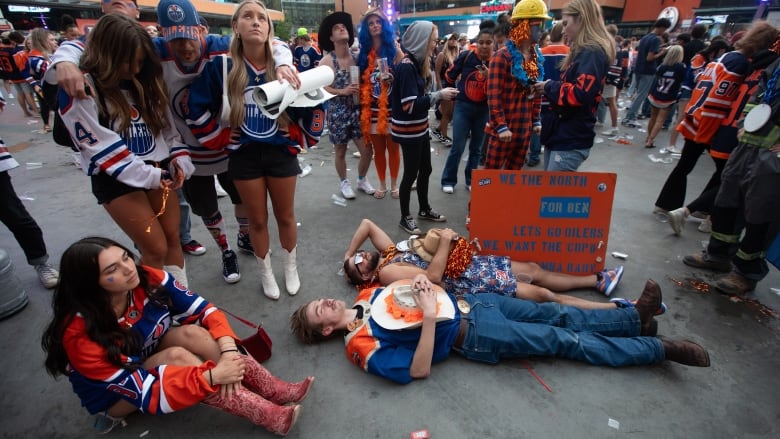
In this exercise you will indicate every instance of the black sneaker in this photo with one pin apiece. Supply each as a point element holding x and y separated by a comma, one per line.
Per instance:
<point>230,267</point>
<point>244,243</point>
<point>446,140</point>
<point>431,215</point>
<point>409,225</point>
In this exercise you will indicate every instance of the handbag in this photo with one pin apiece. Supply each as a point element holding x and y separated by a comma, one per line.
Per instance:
<point>258,345</point>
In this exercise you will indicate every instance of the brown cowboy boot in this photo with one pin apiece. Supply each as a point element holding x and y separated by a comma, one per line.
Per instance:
<point>647,305</point>
<point>278,419</point>
<point>685,352</point>
<point>258,379</point>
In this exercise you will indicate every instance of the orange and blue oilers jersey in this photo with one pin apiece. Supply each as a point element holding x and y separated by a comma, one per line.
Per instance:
<point>712,98</point>
<point>725,139</point>
<point>387,353</point>
<point>162,389</point>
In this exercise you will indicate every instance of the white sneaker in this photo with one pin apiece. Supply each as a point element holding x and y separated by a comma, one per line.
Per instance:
<point>220,191</point>
<point>705,226</point>
<point>614,131</point>
<point>448,189</point>
<point>366,187</point>
<point>346,190</point>
<point>48,275</point>
<point>677,220</point>
<point>356,154</point>
<point>673,150</point>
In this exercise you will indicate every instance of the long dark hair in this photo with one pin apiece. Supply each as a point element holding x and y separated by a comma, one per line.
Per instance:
<point>113,42</point>
<point>80,293</point>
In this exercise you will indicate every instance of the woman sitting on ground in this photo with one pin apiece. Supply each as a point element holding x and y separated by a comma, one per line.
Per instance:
<point>113,336</point>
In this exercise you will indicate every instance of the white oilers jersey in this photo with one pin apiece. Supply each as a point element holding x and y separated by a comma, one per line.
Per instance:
<point>121,155</point>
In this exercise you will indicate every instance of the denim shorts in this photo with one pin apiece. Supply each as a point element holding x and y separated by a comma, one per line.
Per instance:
<point>569,160</point>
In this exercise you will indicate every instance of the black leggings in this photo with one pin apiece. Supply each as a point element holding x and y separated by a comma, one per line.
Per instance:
<point>48,101</point>
<point>705,200</point>
<point>417,165</point>
<point>672,195</point>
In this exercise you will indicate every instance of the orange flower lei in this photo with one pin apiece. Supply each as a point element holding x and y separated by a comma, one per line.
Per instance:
<point>408,315</point>
<point>365,100</point>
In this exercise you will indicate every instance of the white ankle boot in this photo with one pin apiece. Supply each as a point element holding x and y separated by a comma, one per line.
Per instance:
<point>291,280</point>
<point>179,273</point>
<point>270,289</point>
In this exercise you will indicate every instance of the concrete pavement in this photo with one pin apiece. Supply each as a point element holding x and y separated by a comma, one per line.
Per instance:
<point>736,397</point>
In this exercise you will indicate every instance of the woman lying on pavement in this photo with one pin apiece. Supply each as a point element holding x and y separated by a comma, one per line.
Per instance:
<point>454,266</point>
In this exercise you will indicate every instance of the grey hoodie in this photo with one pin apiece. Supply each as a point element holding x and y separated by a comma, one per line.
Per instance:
<point>417,38</point>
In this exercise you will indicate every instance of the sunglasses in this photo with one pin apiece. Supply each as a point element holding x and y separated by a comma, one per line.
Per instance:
<point>358,260</point>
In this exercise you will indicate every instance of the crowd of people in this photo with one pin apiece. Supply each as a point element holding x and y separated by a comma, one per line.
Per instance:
<point>168,121</point>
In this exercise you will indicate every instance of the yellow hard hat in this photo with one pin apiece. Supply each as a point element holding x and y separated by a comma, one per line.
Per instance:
<point>525,9</point>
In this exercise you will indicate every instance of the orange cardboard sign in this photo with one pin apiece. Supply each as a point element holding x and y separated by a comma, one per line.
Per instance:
<point>560,220</point>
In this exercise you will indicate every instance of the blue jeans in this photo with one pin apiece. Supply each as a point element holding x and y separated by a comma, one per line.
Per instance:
<point>643,85</point>
<point>466,117</point>
<point>504,328</point>
<point>567,161</point>
<point>534,149</point>
<point>184,221</point>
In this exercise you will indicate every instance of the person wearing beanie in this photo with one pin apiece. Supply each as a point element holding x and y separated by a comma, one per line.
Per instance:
<point>410,102</point>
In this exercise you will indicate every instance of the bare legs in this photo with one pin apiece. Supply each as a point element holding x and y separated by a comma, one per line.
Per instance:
<point>544,281</point>
<point>136,211</point>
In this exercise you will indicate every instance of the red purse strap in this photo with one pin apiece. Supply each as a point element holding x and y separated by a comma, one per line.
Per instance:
<point>244,321</point>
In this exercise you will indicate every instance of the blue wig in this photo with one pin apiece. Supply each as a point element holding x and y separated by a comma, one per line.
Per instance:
<point>388,49</point>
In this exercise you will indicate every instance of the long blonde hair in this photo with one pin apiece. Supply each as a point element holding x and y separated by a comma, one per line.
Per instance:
<point>238,78</point>
<point>593,33</point>
<point>673,56</point>
<point>39,40</point>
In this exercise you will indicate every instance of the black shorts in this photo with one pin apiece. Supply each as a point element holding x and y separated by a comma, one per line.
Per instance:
<point>257,160</point>
<point>107,188</point>
<point>200,192</point>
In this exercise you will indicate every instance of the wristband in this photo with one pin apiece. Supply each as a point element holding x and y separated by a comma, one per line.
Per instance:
<point>211,381</point>
<point>228,350</point>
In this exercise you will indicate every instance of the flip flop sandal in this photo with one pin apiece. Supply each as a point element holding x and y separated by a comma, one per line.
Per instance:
<point>379,194</point>
<point>395,194</point>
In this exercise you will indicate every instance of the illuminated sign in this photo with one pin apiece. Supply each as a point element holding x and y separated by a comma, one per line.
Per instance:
<point>495,6</point>
<point>34,9</point>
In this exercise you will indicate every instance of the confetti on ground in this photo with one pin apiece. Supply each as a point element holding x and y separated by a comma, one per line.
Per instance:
<point>614,424</point>
<point>762,311</point>
<point>144,433</point>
